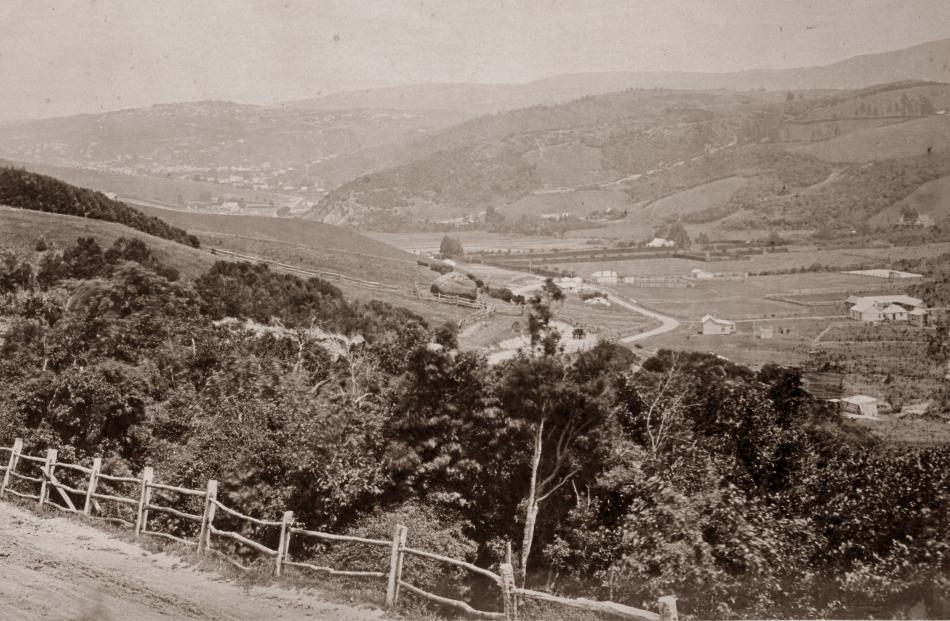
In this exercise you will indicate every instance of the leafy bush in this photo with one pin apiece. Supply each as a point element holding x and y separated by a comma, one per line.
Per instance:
<point>427,530</point>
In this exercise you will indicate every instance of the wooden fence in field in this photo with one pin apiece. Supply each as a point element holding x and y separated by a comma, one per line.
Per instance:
<point>365,284</point>
<point>87,501</point>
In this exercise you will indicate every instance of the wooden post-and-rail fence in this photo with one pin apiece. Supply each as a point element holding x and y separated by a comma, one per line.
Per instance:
<point>143,504</point>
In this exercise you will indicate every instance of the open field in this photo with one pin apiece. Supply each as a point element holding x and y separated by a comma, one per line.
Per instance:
<point>790,344</point>
<point>747,299</point>
<point>915,431</point>
<point>475,240</point>
<point>797,258</point>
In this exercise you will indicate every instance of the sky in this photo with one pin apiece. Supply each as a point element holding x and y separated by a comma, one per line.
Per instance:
<point>60,57</point>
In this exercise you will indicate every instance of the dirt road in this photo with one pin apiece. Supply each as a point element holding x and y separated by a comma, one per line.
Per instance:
<point>57,568</point>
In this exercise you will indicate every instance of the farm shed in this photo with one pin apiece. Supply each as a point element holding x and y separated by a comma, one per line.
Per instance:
<point>866,310</point>
<point>918,317</point>
<point>606,277</point>
<point>659,242</point>
<point>859,405</point>
<point>894,313</point>
<point>712,325</point>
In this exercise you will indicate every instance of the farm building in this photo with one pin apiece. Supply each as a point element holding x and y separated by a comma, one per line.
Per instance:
<point>575,283</point>
<point>606,277</point>
<point>659,242</point>
<point>877,308</point>
<point>894,313</point>
<point>918,317</point>
<point>859,405</point>
<point>711,325</point>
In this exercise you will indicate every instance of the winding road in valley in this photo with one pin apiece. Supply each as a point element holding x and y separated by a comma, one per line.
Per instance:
<point>667,323</point>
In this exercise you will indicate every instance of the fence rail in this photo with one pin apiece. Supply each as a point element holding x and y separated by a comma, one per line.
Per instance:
<point>398,546</point>
<point>366,284</point>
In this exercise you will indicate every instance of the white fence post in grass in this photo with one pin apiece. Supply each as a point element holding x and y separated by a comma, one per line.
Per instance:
<point>284,541</point>
<point>668,608</point>
<point>11,465</point>
<point>395,565</point>
<point>48,466</point>
<point>93,484</point>
<point>204,537</point>
<point>145,496</point>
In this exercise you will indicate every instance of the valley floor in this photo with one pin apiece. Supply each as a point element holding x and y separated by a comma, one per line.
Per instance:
<point>57,568</point>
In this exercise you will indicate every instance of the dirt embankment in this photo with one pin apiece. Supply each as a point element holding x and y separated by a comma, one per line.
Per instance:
<point>57,568</point>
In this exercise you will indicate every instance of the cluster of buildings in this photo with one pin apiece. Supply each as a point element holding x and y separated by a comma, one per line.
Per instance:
<point>888,308</point>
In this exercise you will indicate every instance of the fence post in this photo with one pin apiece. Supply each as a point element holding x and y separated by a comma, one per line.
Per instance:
<point>204,537</point>
<point>145,496</point>
<point>48,466</point>
<point>284,541</point>
<point>93,483</point>
<point>667,605</point>
<point>508,591</point>
<point>11,465</point>
<point>395,565</point>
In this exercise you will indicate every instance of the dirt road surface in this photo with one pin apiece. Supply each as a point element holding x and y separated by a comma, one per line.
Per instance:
<point>58,568</point>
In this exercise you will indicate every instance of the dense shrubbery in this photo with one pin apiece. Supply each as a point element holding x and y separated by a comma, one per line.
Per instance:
<point>19,188</point>
<point>734,490</point>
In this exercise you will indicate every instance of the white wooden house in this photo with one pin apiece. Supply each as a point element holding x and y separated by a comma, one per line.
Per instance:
<point>712,325</point>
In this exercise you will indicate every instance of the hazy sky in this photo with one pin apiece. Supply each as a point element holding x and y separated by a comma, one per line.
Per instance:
<point>66,56</point>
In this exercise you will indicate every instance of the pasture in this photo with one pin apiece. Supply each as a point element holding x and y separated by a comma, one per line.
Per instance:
<point>791,341</point>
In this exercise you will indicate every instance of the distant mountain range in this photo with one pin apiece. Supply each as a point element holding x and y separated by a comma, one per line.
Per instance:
<point>929,61</point>
<point>421,154</point>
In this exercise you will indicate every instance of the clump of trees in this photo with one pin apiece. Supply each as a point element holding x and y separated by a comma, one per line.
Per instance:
<point>451,247</point>
<point>733,489</point>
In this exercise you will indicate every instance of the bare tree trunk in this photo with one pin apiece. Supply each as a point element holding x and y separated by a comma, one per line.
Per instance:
<point>531,510</point>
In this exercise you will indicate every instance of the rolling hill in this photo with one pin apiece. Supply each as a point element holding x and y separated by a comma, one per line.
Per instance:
<point>498,160</point>
<point>27,190</point>
<point>929,61</point>
<point>698,156</point>
<point>258,147</point>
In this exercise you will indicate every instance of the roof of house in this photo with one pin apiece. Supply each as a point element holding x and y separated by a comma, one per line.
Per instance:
<point>919,311</point>
<point>722,322</point>
<point>859,400</point>
<point>863,305</point>
<point>894,308</point>
<point>903,300</point>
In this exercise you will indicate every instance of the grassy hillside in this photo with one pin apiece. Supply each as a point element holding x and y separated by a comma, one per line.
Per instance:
<point>19,188</point>
<point>712,195</point>
<point>21,228</point>
<point>501,159</point>
<point>931,198</point>
<point>880,143</point>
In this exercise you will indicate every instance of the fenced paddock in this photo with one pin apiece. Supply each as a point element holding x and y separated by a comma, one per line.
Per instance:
<point>205,522</point>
